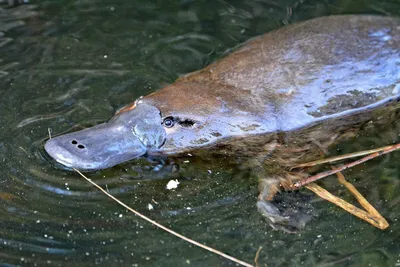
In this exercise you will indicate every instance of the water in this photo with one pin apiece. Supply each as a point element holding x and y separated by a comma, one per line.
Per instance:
<point>71,64</point>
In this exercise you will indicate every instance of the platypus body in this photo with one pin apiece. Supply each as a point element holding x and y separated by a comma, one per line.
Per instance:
<point>302,86</point>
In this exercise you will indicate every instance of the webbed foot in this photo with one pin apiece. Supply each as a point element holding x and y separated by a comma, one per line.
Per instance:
<point>289,221</point>
<point>290,213</point>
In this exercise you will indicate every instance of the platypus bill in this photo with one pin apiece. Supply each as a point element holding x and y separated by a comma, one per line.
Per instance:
<point>300,87</point>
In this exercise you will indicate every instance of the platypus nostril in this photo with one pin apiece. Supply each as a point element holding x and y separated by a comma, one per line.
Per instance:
<point>74,142</point>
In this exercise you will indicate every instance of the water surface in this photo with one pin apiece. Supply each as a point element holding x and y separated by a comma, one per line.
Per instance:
<point>65,65</point>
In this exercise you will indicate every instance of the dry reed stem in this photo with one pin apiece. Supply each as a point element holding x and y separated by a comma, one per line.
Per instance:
<point>341,157</point>
<point>257,256</point>
<point>321,175</point>
<point>361,199</point>
<point>165,228</point>
<point>371,215</point>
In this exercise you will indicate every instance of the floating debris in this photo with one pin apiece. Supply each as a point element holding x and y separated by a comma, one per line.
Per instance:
<point>172,184</point>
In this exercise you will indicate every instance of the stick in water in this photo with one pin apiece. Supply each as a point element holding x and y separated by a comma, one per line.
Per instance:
<point>341,157</point>
<point>163,227</point>
<point>370,214</point>
<point>346,166</point>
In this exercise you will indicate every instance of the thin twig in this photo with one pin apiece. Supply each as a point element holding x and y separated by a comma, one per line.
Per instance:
<point>341,157</point>
<point>257,256</point>
<point>321,175</point>
<point>49,130</point>
<point>377,221</point>
<point>361,199</point>
<point>163,227</point>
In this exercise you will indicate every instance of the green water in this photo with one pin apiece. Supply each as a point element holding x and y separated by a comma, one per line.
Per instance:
<point>72,64</point>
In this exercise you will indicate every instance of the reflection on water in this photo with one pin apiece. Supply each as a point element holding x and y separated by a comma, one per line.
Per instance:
<point>66,65</point>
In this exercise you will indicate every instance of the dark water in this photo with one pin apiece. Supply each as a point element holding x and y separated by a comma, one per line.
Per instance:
<point>65,65</point>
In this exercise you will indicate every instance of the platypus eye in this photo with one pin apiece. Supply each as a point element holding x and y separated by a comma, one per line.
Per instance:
<point>168,122</point>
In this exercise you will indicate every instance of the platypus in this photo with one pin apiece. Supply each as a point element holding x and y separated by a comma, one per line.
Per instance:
<point>278,100</point>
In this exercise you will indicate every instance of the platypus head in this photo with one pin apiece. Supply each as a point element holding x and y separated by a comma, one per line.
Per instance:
<point>176,119</point>
<point>126,136</point>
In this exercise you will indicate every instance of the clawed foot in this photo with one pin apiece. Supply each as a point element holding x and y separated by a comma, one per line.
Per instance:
<point>289,220</point>
<point>286,211</point>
